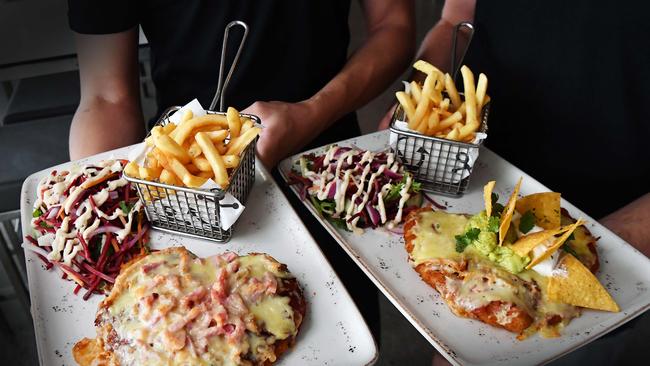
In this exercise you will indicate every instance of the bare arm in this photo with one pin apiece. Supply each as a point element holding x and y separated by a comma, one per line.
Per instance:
<point>367,73</point>
<point>109,114</point>
<point>436,45</point>
<point>632,223</point>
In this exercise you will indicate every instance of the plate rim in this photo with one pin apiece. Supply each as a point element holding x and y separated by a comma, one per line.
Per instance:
<point>26,228</point>
<point>397,302</point>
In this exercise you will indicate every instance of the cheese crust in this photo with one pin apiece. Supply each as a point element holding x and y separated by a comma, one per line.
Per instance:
<point>475,287</point>
<point>171,308</point>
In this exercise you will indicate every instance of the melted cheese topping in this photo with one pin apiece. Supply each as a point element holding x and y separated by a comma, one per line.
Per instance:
<point>482,281</point>
<point>173,309</point>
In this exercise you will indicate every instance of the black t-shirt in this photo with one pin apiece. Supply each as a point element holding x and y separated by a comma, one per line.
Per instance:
<point>570,89</point>
<point>293,47</point>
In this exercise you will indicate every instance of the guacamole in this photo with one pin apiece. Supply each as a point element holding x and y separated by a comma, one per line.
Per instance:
<point>485,243</point>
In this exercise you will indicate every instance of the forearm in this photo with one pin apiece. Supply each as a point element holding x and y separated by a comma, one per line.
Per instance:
<point>632,223</point>
<point>436,46</point>
<point>367,73</point>
<point>101,125</point>
<point>109,114</point>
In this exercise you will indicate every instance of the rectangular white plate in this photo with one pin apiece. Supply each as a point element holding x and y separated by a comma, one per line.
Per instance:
<point>333,332</point>
<point>624,271</point>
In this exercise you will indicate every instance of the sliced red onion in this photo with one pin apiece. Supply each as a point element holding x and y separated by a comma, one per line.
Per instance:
<point>374,215</point>
<point>433,202</point>
<point>104,229</point>
<point>51,213</point>
<point>131,242</point>
<point>392,175</point>
<point>397,231</point>
<point>113,195</point>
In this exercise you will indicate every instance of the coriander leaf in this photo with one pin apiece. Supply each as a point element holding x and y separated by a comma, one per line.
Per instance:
<point>495,198</point>
<point>493,224</point>
<point>527,222</point>
<point>317,205</point>
<point>416,187</point>
<point>472,233</point>
<point>125,208</point>
<point>37,213</point>
<point>328,206</point>
<point>497,208</point>
<point>462,241</point>
<point>339,223</point>
<point>569,250</point>
<point>393,193</point>
<point>44,224</point>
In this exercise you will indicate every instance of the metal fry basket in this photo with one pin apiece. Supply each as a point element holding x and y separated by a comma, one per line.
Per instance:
<point>440,165</point>
<point>191,211</point>
<point>198,212</point>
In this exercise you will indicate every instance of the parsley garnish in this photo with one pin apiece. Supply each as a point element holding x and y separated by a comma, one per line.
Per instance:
<point>462,241</point>
<point>37,213</point>
<point>526,222</point>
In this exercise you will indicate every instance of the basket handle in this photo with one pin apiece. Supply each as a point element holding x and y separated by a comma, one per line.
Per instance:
<point>456,63</point>
<point>223,85</point>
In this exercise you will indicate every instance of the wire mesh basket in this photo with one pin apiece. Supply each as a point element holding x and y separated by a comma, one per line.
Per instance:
<point>191,211</point>
<point>440,165</point>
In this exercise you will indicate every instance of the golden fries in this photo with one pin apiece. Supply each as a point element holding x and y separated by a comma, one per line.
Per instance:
<point>237,145</point>
<point>432,113</point>
<point>234,123</point>
<point>183,130</point>
<point>214,158</point>
<point>196,149</point>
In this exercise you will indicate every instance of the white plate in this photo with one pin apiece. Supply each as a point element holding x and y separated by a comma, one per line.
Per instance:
<point>624,271</point>
<point>333,332</point>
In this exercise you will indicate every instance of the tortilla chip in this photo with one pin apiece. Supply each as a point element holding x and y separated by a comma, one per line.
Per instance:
<point>579,287</point>
<point>506,215</point>
<point>557,244</point>
<point>487,197</point>
<point>545,206</point>
<point>526,243</point>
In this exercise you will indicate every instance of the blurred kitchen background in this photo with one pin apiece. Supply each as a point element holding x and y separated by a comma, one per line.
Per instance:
<point>38,96</point>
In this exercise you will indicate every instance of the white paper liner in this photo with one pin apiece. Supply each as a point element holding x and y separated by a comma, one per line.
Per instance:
<point>178,208</point>
<point>434,156</point>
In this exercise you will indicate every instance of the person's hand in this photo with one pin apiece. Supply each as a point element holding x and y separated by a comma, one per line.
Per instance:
<point>287,128</point>
<point>385,122</point>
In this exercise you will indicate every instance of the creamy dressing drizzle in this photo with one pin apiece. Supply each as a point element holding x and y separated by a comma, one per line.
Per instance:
<point>342,179</point>
<point>64,242</point>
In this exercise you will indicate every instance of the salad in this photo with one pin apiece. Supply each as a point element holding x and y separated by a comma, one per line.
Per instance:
<point>88,222</point>
<point>357,189</point>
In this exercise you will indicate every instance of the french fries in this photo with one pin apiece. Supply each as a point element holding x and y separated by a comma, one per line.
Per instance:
<point>432,113</point>
<point>196,149</point>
